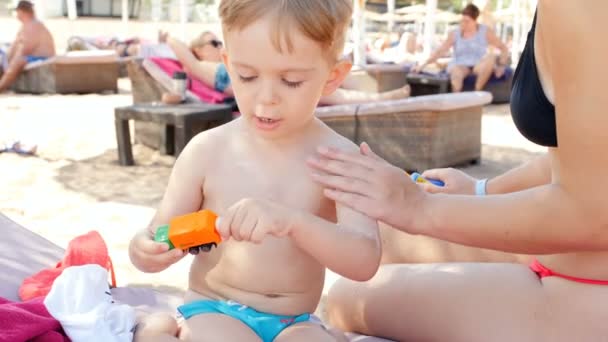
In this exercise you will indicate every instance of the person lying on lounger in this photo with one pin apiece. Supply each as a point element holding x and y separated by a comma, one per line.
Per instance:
<point>265,279</point>
<point>33,42</point>
<point>202,59</point>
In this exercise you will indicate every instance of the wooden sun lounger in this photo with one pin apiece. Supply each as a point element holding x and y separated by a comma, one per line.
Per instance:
<point>76,72</point>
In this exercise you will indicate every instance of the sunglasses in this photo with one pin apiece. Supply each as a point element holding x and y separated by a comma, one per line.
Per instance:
<point>215,43</point>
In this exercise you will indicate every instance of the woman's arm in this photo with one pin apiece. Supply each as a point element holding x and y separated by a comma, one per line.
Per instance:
<point>534,173</point>
<point>442,50</point>
<point>495,41</point>
<point>202,70</point>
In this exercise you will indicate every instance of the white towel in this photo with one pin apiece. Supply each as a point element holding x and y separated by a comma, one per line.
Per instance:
<point>80,299</point>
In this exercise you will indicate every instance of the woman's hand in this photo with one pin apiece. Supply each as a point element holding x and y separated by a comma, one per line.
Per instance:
<point>368,184</point>
<point>456,182</point>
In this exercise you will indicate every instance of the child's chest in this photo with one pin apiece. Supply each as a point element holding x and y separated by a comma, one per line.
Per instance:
<point>285,183</point>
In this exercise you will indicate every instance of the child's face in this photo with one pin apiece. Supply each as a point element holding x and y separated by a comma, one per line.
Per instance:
<point>278,93</point>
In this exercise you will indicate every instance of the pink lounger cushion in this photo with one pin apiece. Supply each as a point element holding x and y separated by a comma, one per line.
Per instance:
<point>196,87</point>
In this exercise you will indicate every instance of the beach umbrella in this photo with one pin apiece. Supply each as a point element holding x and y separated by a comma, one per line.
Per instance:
<point>71,4</point>
<point>414,9</point>
<point>391,11</point>
<point>429,27</point>
<point>358,31</point>
<point>182,19</point>
<point>125,17</point>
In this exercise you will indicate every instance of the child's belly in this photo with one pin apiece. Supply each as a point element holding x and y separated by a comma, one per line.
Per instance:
<point>274,277</point>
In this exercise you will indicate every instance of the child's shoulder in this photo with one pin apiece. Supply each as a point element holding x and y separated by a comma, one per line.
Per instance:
<point>334,139</point>
<point>208,142</point>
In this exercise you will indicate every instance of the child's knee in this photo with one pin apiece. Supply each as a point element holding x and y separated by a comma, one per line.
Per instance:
<point>156,325</point>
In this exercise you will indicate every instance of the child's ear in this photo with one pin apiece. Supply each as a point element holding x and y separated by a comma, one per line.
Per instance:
<point>338,73</point>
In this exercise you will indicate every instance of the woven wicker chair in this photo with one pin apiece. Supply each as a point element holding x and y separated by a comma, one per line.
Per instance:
<point>417,133</point>
<point>75,72</point>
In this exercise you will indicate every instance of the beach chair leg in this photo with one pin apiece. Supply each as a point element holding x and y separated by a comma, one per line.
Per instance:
<point>181,138</point>
<point>123,140</point>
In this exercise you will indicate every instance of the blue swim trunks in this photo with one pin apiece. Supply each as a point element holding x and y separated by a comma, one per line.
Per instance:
<point>266,326</point>
<point>222,80</point>
<point>32,59</point>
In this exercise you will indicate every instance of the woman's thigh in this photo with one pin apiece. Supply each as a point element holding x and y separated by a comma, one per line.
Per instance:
<point>437,302</point>
<point>459,71</point>
<point>402,248</point>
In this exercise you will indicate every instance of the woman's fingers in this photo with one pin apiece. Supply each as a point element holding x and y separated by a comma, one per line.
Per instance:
<point>438,174</point>
<point>347,157</point>
<point>336,167</point>
<point>367,151</point>
<point>346,184</point>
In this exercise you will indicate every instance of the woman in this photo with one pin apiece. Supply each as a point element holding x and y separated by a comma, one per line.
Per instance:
<point>561,216</point>
<point>203,60</point>
<point>470,43</point>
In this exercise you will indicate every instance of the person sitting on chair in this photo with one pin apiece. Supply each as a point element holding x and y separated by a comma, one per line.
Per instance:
<point>33,43</point>
<point>470,42</point>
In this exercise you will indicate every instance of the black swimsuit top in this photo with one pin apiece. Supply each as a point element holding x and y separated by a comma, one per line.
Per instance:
<point>532,112</point>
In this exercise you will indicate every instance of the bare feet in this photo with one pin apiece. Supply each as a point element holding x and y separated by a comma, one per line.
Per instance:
<point>396,94</point>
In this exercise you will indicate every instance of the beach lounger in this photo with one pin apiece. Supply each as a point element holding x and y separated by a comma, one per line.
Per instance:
<point>379,78</point>
<point>417,133</point>
<point>23,253</point>
<point>75,72</point>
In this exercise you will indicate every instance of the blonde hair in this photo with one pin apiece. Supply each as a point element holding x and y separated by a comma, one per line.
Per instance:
<point>200,41</point>
<point>323,21</point>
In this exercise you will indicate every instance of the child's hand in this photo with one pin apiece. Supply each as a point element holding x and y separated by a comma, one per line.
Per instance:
<point>251,220</point>
<point>151,256</point>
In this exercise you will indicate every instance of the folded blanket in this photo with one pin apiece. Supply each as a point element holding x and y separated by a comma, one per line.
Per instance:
<point>82,250</point>
<point>28,321</point>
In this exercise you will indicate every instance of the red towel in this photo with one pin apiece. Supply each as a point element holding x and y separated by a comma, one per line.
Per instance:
<point>82,250</point>
<point>198,88</point>
<point>28,321</point>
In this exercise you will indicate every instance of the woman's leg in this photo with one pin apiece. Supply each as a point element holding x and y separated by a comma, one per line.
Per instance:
<point>484,70</point>
<point>348,96</point>
<point>457,75</point>
<point>402,248</point>
<point>469,302</point>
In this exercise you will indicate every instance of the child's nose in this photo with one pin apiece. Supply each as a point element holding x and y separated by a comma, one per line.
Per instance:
<point>267,95</point>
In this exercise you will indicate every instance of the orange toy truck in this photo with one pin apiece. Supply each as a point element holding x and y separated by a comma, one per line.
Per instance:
<point>194,232</point>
